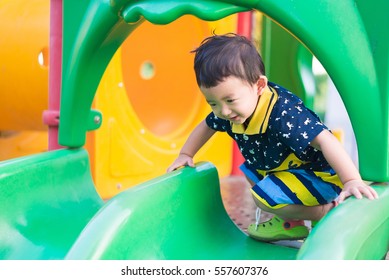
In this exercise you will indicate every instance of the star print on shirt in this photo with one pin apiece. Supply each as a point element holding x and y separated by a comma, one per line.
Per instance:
<point>304,134</point>
<point>292,121</point>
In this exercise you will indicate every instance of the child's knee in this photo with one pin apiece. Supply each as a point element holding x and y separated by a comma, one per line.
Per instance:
<point>302,212</point>
<point>263,206</point>
<point>251,182</point>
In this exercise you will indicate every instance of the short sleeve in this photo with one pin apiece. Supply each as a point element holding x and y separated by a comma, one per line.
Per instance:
<point>216,123</point>
<point>296,125</point>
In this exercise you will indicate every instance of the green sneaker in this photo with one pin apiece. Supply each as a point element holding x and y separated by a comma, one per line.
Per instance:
<point>277,229</point>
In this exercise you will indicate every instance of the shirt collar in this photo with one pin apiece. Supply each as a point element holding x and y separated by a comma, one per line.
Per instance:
<point>260,119</point>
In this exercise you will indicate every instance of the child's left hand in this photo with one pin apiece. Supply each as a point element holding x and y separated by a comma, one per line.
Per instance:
<point>357,188</point>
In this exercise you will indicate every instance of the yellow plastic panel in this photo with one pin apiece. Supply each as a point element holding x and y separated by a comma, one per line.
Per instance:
<point>141,133</point>
<point>15,144</point>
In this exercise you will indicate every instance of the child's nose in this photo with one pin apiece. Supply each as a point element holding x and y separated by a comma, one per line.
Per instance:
<point>225,111</point>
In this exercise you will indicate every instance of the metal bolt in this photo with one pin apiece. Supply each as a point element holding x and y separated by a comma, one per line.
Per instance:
<point>97,119</point>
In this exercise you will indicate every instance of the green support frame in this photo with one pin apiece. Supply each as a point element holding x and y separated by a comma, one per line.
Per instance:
<point>288,62</point>
<point>50,209</point>
<point>97,29</point>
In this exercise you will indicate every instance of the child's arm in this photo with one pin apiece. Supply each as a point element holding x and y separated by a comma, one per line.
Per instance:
<point>339,160</point>
<point>199,136</point>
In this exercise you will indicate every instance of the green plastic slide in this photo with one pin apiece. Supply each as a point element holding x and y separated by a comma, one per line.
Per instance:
<point>355,230</point>
<point>45,202</point>
<point>50,210</point>
<point>177,216</point>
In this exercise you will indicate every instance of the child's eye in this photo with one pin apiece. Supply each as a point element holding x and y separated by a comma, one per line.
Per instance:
<point>231,100</point>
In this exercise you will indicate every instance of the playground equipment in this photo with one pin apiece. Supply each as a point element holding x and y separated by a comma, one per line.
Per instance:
<point>187,201</point>
<point>143,132</point>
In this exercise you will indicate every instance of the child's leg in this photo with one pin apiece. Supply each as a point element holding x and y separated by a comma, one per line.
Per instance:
<point>292,196</point>
<point>288,222</point>
<point>286,201</point>
<point>305,195</point>
<point>297,212</point>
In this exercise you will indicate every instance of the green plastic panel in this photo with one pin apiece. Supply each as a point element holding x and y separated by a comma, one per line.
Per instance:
<point>336,33</point>
<point>46,201</point>
<point>180,215</point>
<point>164,12</point>
<point>349,40</point>
<point>93,33</point>
<point>356,230</point>
<point>50,210</point>
<point>288,62</point>
<point>177,216</point>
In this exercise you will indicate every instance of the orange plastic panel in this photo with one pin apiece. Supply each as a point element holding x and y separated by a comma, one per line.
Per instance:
<point>151,102</point>
<point>24,39</point>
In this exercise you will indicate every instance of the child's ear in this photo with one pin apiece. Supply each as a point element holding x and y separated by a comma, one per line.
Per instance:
<point>261,84</point>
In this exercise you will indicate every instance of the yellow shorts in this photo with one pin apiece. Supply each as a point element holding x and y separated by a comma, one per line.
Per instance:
<point>295,186</point>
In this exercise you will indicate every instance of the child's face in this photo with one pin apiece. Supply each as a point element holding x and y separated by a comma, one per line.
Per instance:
<point>233,99</point>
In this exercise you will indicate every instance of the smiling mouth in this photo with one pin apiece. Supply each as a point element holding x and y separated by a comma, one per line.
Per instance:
<point>234,118</point>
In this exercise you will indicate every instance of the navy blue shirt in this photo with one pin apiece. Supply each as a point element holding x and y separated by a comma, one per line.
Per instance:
<point>278,135</point>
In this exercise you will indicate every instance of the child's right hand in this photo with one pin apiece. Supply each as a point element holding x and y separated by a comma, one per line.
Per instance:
<point>181,160</point>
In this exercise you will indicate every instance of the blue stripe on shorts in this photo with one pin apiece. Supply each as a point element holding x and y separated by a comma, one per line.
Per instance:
<point>253,176</point>
<point>319,188</point>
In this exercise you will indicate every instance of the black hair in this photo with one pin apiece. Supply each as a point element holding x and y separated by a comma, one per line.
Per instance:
<point>221,56</point>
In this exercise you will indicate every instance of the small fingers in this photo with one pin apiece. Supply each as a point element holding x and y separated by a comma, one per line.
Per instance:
<point>356,192</point>
<point>171,168</point>
<point>359,192</point>
<point>342,196</point>
<point>178,164</point>
<point>190,163</point>
<point>174,166</point>
<point>369,192</point>
<point>366,191</point>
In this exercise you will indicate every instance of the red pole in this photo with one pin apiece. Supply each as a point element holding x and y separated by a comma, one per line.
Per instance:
<point>245,24</point>
<point>51,116</point>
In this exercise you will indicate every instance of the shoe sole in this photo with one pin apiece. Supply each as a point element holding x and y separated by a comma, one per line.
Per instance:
<point>275,240</point>
<point>280,237</point>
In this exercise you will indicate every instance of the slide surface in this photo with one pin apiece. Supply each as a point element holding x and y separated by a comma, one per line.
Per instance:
<point>45,202</point>
<point>177,216</point>
<point>355,230</point>
<point>50,210</point>
<point>49,206</point>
